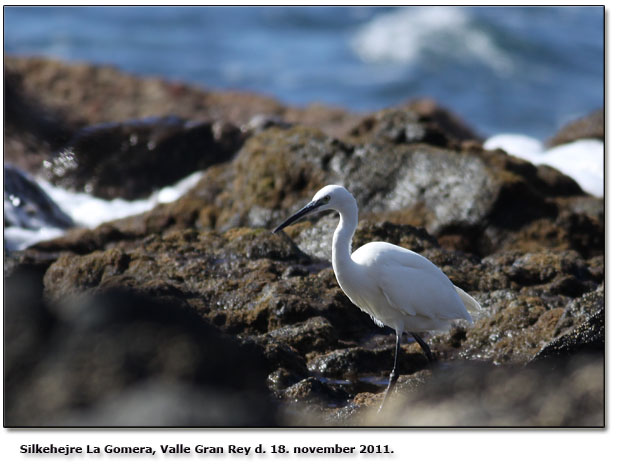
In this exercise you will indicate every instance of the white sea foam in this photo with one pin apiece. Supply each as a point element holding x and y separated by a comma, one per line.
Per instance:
<point>89,211</point>
<point>405,34</point>
<point>582,160</point>
<point>18,238</point>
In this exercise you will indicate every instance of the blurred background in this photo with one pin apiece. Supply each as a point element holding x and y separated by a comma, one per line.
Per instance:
<point>517,70</point>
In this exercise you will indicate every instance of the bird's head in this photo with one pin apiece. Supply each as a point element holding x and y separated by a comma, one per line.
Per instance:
<point>333,197</point>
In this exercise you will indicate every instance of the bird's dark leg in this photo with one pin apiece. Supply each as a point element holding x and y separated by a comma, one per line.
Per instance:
<point>393,374</point>
<point>425,347</point>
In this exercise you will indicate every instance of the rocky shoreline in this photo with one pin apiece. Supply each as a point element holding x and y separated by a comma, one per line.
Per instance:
<point>195,314</point>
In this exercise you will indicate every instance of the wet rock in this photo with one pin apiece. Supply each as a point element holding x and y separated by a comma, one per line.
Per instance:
<point>587,338</point>
<point>522,322</point>
<point>130,159</point>
<point>587,127</point>
<point>281,378</point>
<point>26,205</point>
<point>112,346</point>
<point>285,364</point>
<point>311,390</point>
<point>351,362</point>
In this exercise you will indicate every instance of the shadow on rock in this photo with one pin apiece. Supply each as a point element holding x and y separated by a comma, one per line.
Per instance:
<point>150,361</point>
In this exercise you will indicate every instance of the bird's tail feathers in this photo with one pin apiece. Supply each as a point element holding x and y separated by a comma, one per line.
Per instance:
<point>471,305</point>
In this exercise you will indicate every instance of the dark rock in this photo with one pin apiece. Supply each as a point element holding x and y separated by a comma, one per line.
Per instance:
<point>26,205</point>
<point>475,394</point>
<point>113,345</point>
<point>283,361</point>
<point>130,159</point>
<point>352,362</point>
<point>588,127</point>
<point>281,379</point>
<point>400,126</point>
<point>311,390</point>
<point>538,268</point>
<point>32,130</point>
<point>450,123</point>
<point>158,403</point>
<point>314,334</point>
<point>88,94</point>
<point>417,121</point>
<point>588,338</point>
<point>28,322</point>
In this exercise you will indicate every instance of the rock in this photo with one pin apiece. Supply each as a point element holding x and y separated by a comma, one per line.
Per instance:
<point>132,158</point>
<point>351,362</point>
<point>580,329</point>
<point>32,130</point>
<point>314,334</point>
<point>587,127</point>
<point>173,404</point>
<point>311,390</point>
<point>88,94</point>
<point>448,122</point>
<point>277,171</point>
<point>109,350</point>
<point>588,338</point>
<point>28,322</point>
<point>318,350</point>
<point>420,121</point>
<point>26,205</point>
<point>205,271</point>
<point>483,395</point>
<point>232,279</point>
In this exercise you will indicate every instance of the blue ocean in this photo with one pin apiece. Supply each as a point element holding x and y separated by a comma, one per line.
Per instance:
<point>525,70</point>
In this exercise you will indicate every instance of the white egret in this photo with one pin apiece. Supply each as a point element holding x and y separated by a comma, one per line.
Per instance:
<point>395,286</point>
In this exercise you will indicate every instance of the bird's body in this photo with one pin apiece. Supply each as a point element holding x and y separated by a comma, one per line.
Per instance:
<point>401,289</point>
<point>395,286</point>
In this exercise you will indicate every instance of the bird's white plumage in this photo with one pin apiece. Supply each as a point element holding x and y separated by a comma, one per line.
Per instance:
<point>397,287</point>
<point>404,289</point>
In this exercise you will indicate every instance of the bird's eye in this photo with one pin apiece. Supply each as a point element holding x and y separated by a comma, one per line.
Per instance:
<point>326,199</point>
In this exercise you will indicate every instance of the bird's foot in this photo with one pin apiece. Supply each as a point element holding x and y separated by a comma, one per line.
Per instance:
<point>391,383</point>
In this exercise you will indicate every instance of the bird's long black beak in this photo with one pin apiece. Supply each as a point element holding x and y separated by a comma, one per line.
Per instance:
<point>313,205</point>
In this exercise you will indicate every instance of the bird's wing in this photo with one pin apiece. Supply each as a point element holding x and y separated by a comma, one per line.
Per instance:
<point>413,284</point>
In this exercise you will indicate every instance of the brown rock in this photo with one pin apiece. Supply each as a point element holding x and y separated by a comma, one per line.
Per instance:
<point>588,127</point>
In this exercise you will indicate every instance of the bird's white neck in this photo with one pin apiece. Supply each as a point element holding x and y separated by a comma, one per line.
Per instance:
<point>341,241</point>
